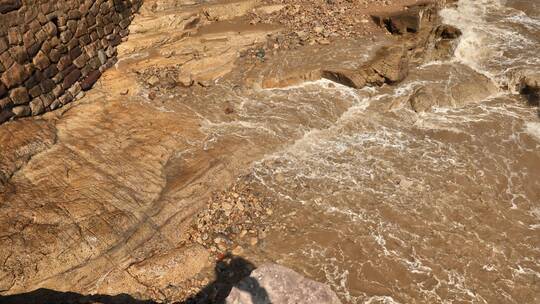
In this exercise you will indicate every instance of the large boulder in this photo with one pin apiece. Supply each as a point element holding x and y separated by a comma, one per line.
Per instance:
<point>441,43</point>
<point>271,283</point>
<point>391,63</point>
<point>347,77</point>
<point>527,83</point>
<point>467,87</point>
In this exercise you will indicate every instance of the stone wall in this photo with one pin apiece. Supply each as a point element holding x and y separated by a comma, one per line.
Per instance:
<point>53,50</point>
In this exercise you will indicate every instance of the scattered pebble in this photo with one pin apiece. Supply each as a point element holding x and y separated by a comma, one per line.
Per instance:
<point>229,217</point>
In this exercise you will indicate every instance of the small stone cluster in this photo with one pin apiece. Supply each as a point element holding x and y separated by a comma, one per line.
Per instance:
<point>232,219</point>
<point>164,79</point>
<point>51,51</point>
<point>317,21</point>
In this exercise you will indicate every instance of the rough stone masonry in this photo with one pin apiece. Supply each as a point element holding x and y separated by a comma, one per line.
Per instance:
<point>52,50</point>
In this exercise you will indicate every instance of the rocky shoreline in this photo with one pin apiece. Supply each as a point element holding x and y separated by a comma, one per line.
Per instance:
<point>236,219</point>
<point>150,195</point>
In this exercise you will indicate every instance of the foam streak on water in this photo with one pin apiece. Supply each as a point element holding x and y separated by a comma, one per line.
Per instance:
<point>493,41</point>
<point>391,206</point>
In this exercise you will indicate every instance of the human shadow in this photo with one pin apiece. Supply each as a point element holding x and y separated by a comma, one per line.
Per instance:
<point>48,296</point>
<point>231,271</point>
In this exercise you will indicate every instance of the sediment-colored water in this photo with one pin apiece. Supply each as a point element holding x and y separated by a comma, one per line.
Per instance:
<point>392,206</point>
<point>386,202</point>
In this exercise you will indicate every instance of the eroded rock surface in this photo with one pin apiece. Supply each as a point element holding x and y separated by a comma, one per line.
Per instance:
<point>425,41</point>
<point>96,197</point>
<point>101,196</point>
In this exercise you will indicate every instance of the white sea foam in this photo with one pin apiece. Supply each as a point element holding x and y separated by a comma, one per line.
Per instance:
<point>363,151</point>
<point>522,18</point>
<point>381,300</point>
<point>476,45</point>
<point>533,129</point>
<point>490,42</point>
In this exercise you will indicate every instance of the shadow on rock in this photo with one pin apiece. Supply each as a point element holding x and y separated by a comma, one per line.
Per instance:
<point>229,272</point>
<point>48,296</point>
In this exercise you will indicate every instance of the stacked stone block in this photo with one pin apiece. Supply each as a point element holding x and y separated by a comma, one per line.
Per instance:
<point>51,51</point>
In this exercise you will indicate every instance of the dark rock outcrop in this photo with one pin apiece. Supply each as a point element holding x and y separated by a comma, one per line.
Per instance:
<point>430,41</point>
<point>527,83</point>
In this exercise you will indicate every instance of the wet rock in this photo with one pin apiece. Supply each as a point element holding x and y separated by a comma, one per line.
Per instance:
<point>527,83</point>
<point>421,100</point>
<point>389,65</point>
<point>441,43</point>
<point>524,81</point>
<point>446,31</point>
<point>532,80</point>
<point>470,87</point>
<point>407,21</point>
<point>392,64</point>
<point>350,78</point>
<point>271,283</point>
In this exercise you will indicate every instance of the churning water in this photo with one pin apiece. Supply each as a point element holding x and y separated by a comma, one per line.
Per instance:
<point>391,206</point>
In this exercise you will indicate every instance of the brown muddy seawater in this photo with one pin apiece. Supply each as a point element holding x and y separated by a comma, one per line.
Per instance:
<point>392,206</point>
<point>384,204</point>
